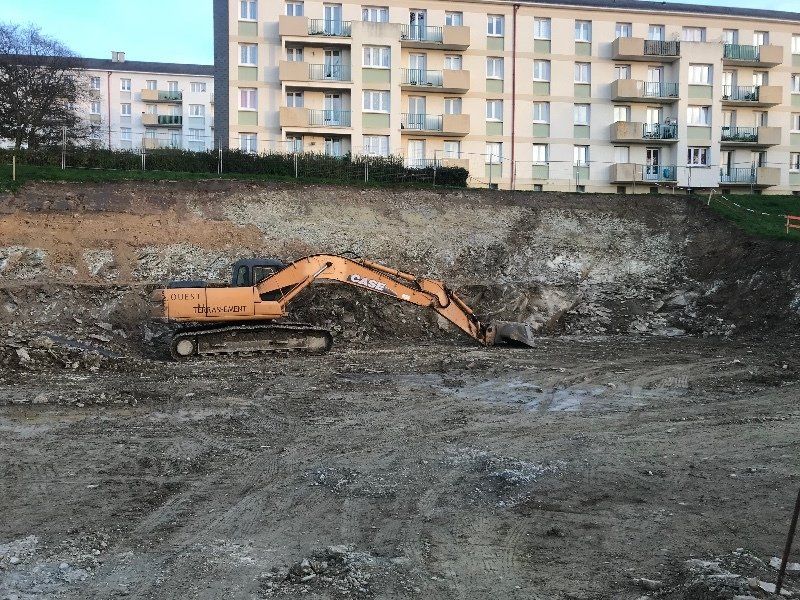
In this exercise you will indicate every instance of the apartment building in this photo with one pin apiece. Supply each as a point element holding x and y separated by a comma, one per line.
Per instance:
<point>134,104</point>
<point>563,95</point>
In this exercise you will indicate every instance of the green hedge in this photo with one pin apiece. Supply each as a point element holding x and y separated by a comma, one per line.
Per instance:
<point>317,167</point>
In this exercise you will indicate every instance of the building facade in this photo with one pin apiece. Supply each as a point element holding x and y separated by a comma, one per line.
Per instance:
<point>134,104</point>
<point>565,95</point>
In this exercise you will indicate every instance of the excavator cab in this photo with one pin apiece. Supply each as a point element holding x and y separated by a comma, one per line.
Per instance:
<point>251,271</point>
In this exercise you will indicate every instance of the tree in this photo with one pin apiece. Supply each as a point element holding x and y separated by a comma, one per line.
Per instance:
<point>41,88</point>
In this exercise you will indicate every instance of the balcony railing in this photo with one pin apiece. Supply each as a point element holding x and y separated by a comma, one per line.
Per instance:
<point>329,27</point>
<point>421,33</point>
<point>661,48</point>
<point>170,96</point>
<point>422,163</point>
<point>329,72</point>
<point>739,93</point>
<point>170,120</point>
<point>658,89</point>
<point>422,78</point>
<point>657,131</point>
<point>737,175</point>
<point>740,134</point>
<point>329,118</point>
<point>743,53</point>
<point>419,122</point>
<point>659,173</point>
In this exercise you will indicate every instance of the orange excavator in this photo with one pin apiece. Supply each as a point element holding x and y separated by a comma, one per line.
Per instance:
<point>243,317</point>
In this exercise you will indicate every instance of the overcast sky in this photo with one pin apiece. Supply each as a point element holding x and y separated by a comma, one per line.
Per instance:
<point>167,30</point>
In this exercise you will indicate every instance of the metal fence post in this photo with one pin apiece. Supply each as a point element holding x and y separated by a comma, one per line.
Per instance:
<point>435,167</point>
<point>366,171</point>
<point>295,166</point>
<point>144,158</point>
<point>219,160</point>
<point>14,169</point>
<point>64,150</point>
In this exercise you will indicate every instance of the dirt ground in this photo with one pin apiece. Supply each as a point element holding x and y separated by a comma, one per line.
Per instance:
<point>647,447</point>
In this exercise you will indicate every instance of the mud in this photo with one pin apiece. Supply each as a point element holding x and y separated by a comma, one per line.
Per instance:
<point>647,447</point>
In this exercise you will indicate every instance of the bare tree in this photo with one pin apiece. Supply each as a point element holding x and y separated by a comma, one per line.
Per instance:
<point>41,88</point>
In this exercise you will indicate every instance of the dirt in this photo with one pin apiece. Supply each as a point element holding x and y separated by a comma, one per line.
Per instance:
<point>647,447</point>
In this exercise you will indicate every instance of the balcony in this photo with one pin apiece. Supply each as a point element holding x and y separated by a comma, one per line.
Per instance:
<point>455,125</point>
<point>303,118</point>
<point>303,27</point>
<point>632,90</point>
<point>633,173</point>
<point>751,136</point>
<point>162,120</point>
<point>436,81</point>
<point>750,176</point>
<point>301,72</point>
<point>161,96</point>
<point>643,133</point>
<point>752,56</point>
<point>151,143</point>
<point>639,49</point>
<point>328,28</point>
<point>754,95</point>
<point>449,37</point>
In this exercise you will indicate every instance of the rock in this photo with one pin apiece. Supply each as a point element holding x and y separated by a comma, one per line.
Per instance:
<point>24,357</point>
<point>651,585</point>
<point>775,563</point>
<point>14,560</point>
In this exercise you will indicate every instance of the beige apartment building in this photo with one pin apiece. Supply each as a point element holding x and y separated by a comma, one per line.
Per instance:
<point>561,96</point>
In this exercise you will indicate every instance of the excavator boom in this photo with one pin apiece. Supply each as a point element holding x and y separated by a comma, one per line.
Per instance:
<point>214,309</point>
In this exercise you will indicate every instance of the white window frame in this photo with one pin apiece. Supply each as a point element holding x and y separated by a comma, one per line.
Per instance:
<point>94,107</point>
<point>580,155</point>
<point>376,101</point>
<point>796,43</point>
<point>494,153</point>
<point>495,25</point>
<point>294,54</point>
<point>701,74</point>
<point>125,134</point>
<point>542,28</point>
<point>295,8</point>
<point>376,145</point>
<point>760,38</point>
<point>622,69</point>
<point>581,114</point>
<point>195,134</point>
<point>688,34</point>
<point>453,18</point>
<point>448,149</point>
<point>622,113</point>
<point>375,14</point>
<point>794,123</point>
<point>451,103</point>
<point>451,60</point>
<point>122,109</point>
<point>377,57</point>
<point>94,83</point>
<point>197,110</point>
<point>248,99</point>
<point>583,31</point>
<point>698,156</point>
<point>198,87</point>
<point>295,99</point>
<point>541,154</point>
<point>495,67</point>
<point>125,84</point>
<point>248,55</point>
<point>248,143</point>
<point>794,161</point>
<point>151,84</point>
<point>494,110</point>
<point>795,83</point>
<point>662,32</point>
<point>698,116</point>
<point>538,109</point>
<point>583,72</point>
<point>540,65</point>
<point>623,28</point>
<point>248,10</point>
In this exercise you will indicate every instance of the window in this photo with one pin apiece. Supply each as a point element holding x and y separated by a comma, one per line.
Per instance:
<point>656,32</point>
<point>376,145</point>
<point>622,154</point>
<point>495,25</point>
<point>581,114</point>
<point>95,83</point>
<point>197,86</point>
<point>624,30</point>
<point>700,74</point>
<point>580,156</point>
<point>125,109</point>
<point>333,146</point>
<point>294,54</point>
<point>295,9</point>
<point>583,31</point>
<point>152,84</point>
<point>796,83</point>
<point>794,161</point>
<point>247,10</point>
<point>730,36</point>
<point>376,101</point>
<point>760,38</point>
<point>151,109</point>
<point>248,98</point>
<point>452,149</point>
<point>375,14</point>
<point>95,108</point>
<point>699,115</point>
<point>197,110</point>
<point>494,110</point>
<point>697,157</point>
<point>540,153</point>
<point>172,86</point>
<point>125,85</point>
<point>377,57</point>
<point>494,68</point>
<point>795,122</point>
<point>454,19</point>
<point>452,62</point>
<point>541,28</point>
<point>248,142</point>
<point>694,34</point>
<point>248,54</point>
<point>541,70</point>
<point>760,78</point>
<point>796,44</point>
<point>294,143</point>
<point>541,112</point>
<point>622,114</point>
<point>583,73</point>
<point>452,106</point>
<point>125,134</point>
<point>195,134</point>
<point>494,153</point>
<point>294,99</point>
<point>622,71</point>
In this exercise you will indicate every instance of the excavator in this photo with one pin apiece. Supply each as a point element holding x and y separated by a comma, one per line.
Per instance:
<point>245,316</point>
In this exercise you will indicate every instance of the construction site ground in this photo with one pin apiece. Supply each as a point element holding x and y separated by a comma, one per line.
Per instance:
<point>646,447</point>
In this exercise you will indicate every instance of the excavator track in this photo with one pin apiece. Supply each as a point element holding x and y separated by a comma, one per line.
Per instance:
<point>247,338</point>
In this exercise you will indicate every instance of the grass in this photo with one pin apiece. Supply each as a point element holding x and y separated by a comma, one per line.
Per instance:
<point>771,225</point>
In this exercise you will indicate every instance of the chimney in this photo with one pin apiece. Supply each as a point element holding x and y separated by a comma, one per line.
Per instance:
<point>118,57</point>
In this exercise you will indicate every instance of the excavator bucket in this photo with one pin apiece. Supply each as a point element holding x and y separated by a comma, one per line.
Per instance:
<point>512,333</point>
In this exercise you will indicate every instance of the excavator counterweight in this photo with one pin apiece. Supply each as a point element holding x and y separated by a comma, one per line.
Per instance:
<point>244,317</point>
